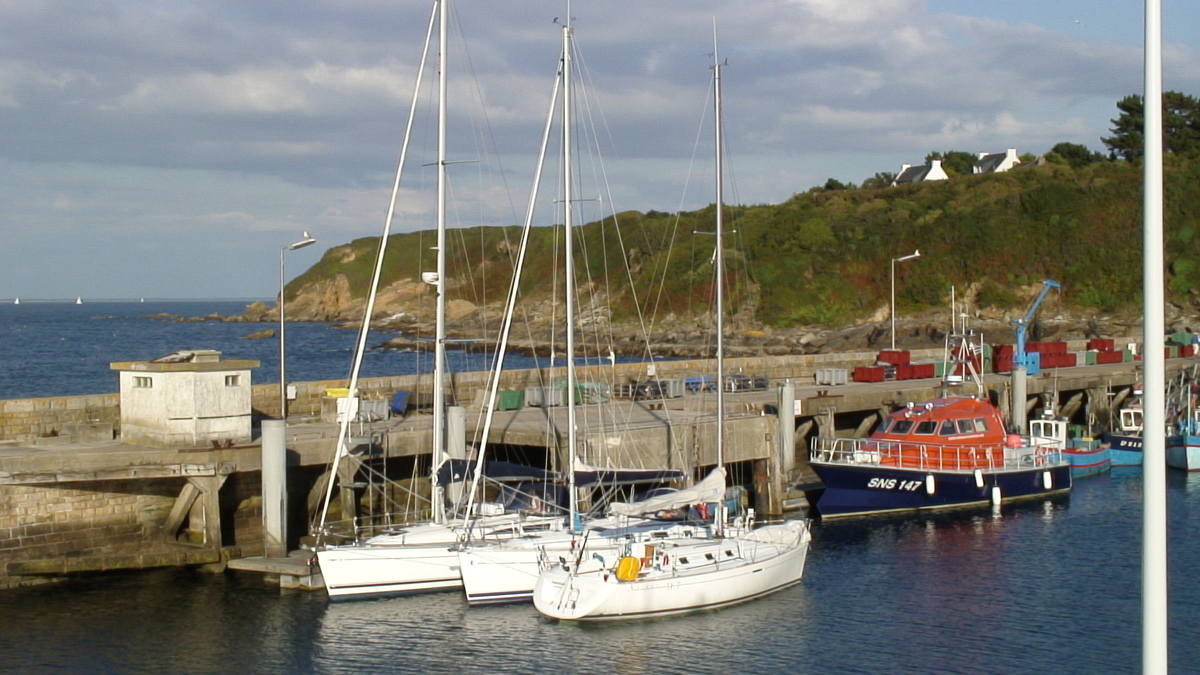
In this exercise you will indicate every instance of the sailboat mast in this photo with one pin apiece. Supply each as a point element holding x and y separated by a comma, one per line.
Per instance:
<point>439,349</point>
<point>719,258</point>
<point>569,267</point>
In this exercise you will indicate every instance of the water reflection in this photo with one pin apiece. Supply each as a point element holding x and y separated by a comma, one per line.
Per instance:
<point>1043,586</point>
<point>446,636</point>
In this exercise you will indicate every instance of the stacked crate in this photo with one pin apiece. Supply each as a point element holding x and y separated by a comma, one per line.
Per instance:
<point>1103,350</point>
<point>869,374</point>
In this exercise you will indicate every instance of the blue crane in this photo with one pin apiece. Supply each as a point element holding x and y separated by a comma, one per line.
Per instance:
<point>1020,360</point>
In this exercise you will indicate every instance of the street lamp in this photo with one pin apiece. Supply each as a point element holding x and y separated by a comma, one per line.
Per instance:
<point>914,254</point>
<point>306,241</point>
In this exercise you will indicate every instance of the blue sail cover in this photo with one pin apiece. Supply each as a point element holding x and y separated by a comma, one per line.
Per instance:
<point>454,470</point>
<point>625,476</point>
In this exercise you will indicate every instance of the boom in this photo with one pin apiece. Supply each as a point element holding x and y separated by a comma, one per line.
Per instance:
<point>1019,358</point>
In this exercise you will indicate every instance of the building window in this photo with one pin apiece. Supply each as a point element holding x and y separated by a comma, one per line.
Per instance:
<point>142,382</point>
<point>232,380</point>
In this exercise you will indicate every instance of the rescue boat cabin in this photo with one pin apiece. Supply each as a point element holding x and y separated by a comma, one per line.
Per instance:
<point>951,433</point>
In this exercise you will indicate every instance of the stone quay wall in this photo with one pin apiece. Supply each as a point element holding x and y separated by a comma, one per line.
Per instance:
<point>93,417</point>
<point>97,417</point>
<point>44,528</point>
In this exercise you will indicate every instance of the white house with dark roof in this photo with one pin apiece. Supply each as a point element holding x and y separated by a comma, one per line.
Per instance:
<point>996,162</point>
<point>931,170</point>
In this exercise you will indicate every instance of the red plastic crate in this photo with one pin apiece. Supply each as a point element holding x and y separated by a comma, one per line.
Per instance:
<point>896,357</point>
<point>868,374</point>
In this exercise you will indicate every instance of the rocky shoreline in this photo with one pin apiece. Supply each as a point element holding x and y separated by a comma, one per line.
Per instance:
<point>691,337</point>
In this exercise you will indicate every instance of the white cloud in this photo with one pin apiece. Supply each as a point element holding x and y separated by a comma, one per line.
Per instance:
<point>189,123</point>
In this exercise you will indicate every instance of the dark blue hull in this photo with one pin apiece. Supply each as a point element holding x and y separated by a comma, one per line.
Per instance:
<point>858,490</point>
<point>1124,449</point>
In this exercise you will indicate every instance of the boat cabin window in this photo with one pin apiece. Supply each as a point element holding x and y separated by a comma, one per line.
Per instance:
<point>901,427</point>
<point>925,428</point>
<point>981,424</point>
<point>948,428</point>
<point>966,426</point>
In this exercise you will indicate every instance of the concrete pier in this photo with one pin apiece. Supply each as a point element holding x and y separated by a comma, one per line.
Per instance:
<point>70,505</point>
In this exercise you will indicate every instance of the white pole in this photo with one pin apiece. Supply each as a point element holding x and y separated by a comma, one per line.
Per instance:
<point>892,309</point>
<point>274,488</point>
<point>892,312</point>
<point>569,270</point>
<point>306,241</point>
<point>1154,466</point>
<point>439,339</point>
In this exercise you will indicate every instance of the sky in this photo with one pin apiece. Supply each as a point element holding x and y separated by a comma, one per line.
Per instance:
<point>172,148</point>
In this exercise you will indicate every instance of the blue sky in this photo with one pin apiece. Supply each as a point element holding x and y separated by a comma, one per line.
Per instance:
<point>169,148</point>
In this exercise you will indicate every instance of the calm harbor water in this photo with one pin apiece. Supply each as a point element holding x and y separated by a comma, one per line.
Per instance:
<point>1042,587</point>
<point>63,349</point>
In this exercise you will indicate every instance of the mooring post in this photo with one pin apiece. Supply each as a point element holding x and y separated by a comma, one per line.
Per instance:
<point>1019,410</point>
<point>274,488</point>
<point>787,428</point>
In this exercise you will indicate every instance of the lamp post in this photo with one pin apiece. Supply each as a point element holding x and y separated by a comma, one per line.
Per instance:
<point>914,254</point>
<point>306,241</point>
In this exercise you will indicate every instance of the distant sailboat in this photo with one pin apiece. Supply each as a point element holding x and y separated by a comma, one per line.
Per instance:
<point>16,301</point>
<point>79,301</point>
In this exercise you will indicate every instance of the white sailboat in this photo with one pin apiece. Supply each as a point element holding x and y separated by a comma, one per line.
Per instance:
<point>416,558</point>
<point>682,575</point>
<point>497,572</point>
<point>79,300</point>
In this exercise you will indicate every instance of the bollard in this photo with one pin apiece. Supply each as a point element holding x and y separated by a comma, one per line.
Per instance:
<point>274,488</point>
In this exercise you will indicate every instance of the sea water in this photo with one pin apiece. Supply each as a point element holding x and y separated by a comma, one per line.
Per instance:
<point>1047,586</point>
<point>64,349</point>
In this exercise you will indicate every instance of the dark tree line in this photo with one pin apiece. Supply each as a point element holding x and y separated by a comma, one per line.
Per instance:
<point>1181,126</point>
<point>1181,134</point>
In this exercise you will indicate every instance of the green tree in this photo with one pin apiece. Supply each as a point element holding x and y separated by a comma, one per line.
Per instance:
<point>1076,155</point>
<point>881,179</point>
<point>956,162</point>
<point>1181,126</point>
<point>835,184</point>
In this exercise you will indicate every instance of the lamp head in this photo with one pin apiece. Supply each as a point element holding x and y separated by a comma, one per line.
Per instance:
<point>306,241</point>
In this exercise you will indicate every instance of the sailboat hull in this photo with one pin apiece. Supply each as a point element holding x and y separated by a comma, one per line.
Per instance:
<point>507,572</point>
<point>359,571</point>
<point>682,576</point>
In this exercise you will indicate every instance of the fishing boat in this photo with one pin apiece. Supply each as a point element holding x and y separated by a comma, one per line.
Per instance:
<point>1125,442</point>
<point>727,564</point>
<point>1183,447</point>
<point>1087,457</point>
<point>949,451</point>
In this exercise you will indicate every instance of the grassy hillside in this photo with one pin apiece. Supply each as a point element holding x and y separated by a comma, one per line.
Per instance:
<point>824,256</point>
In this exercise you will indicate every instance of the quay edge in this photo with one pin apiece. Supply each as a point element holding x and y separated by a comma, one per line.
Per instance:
<point>73,499</point>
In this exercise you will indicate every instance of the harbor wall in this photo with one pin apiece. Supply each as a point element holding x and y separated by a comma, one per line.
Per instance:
<point>97,417</point>
<point>93,417</point>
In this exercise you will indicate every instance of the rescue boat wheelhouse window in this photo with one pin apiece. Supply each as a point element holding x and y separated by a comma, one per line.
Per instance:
<point>926,428</point>
<point>948,428</point>
<point>981,424</point>
<point>966,426</point>
<point>901,427</point>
